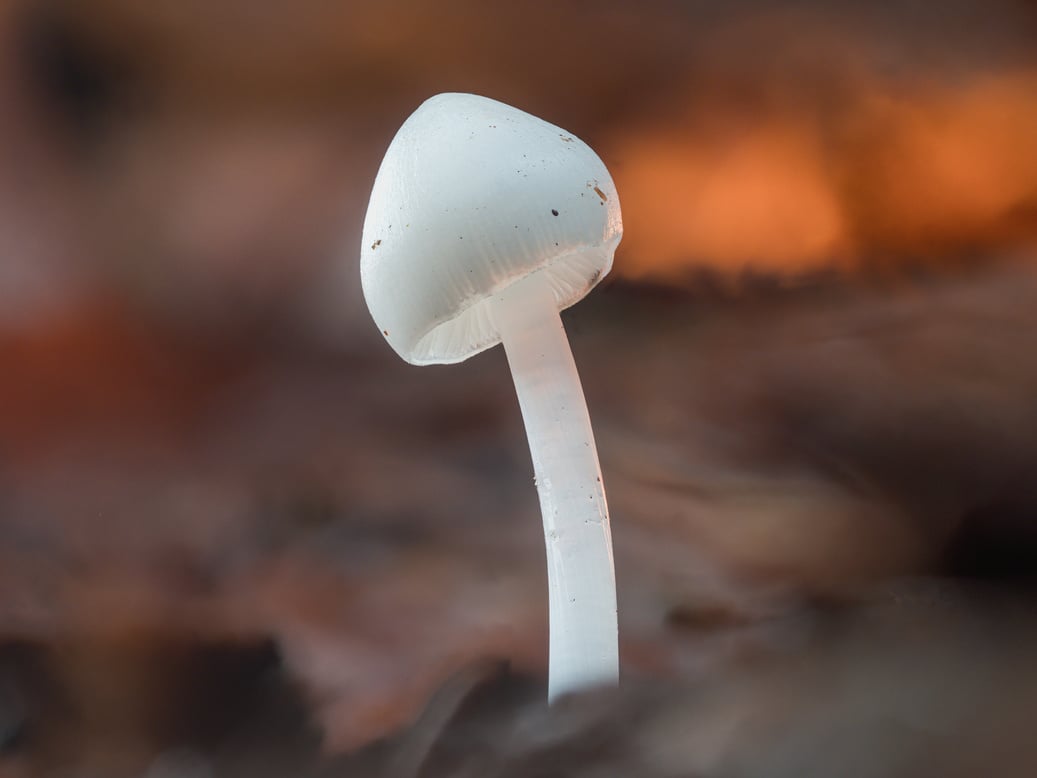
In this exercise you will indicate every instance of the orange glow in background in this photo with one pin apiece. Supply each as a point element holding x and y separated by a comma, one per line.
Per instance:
<point>926,174</point>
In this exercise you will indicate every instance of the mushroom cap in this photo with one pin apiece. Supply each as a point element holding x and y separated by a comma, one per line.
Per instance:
<point>472,196</point>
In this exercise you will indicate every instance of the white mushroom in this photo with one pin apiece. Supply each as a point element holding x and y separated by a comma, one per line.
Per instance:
<point>484,223</point>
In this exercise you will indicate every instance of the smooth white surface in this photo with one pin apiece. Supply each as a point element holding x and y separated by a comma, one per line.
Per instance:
<point>463,205</point>
<point>584,650</point>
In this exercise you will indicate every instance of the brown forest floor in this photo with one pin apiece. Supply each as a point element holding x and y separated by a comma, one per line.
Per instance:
<point>795,476</point>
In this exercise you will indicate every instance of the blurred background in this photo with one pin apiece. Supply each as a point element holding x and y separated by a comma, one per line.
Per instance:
<point>239,537</point>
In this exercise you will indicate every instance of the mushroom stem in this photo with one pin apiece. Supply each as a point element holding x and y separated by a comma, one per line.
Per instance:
<point>584,649</point>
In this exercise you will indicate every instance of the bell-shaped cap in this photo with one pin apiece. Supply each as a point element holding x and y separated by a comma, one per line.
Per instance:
<point>472,196</point>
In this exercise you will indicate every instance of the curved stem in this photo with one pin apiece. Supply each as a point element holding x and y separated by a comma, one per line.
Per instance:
<point>584,648</point>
